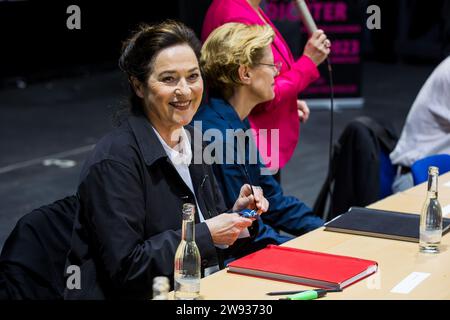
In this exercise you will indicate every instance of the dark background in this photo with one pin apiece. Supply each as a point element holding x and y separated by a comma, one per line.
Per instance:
<point>36,43</point>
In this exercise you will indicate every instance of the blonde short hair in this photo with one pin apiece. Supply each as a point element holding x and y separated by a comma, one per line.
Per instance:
<point>227,48</point>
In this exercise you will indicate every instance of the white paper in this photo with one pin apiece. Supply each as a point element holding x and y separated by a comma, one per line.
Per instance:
<point>447,184</point>
<point>410,282</point>
<point>446,211</point>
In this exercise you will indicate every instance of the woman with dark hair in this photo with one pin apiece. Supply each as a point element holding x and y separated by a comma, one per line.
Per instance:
<point>135,182</point>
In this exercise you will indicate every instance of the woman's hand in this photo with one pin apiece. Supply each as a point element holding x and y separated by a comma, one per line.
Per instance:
<point>226,227</point>
<point>246,199</point>
<point>303,111</point>
<point>318,47</point>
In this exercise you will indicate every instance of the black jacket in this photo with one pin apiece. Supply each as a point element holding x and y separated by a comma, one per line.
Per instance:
<point>129,224</point>
<point>355,169</point>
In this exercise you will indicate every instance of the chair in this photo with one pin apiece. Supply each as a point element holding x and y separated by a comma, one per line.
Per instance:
<point>361,171</point>
<point>420,168</point>
<point>32,262</point>
<point>387,173</point>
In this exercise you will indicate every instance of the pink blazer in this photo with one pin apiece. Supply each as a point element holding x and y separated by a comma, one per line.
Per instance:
<point>295,76</point>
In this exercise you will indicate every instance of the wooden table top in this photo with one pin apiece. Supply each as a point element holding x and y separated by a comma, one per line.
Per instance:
<point>396,259</point>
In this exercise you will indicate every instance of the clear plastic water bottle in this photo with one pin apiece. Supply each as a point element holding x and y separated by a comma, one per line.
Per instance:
<point>431,216</point>
<point>187,259</point>
<point>161,288</point>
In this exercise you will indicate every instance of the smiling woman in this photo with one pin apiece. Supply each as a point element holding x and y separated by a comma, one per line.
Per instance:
<point>173,91</point>
<point>133,185</point>
<point>165,85</point>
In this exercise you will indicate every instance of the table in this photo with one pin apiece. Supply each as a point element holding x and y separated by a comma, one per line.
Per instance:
<point>396,260</point>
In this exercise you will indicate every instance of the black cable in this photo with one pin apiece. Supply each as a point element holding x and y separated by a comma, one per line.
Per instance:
<point>249,180</point>
<point>330,159</point>
<point>243,167</point>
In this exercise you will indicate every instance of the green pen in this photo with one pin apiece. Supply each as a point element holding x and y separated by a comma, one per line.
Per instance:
<point>307,295</point>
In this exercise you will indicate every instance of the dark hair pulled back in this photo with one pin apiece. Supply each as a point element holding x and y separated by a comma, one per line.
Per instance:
<point>144,44</point>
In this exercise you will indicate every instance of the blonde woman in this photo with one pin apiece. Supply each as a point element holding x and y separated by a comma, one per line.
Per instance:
<point>283,112</point>
<point>238,66</point>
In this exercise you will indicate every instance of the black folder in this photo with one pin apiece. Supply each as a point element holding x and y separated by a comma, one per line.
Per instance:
<point>380,224</point>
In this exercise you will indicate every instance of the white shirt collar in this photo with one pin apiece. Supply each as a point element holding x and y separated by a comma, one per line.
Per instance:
<point>182,153</point>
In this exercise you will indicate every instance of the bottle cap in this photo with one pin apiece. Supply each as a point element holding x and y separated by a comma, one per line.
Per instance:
<point>433,170</point>
<point>188,211</point>
<point>188,207</point>
<point>160,288</point>
<point>161,279</point>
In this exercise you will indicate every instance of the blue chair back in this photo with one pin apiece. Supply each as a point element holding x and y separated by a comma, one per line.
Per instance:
<point>420,168</point>
<point>387,173</point>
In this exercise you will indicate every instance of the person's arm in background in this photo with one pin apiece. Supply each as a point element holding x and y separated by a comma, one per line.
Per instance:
<point>303,72</point>
<point>229,180</point>
<point>287,213</point>
<point>437,97</point>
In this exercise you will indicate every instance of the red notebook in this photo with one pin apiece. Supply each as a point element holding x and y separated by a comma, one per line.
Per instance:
<point>308,268</point>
